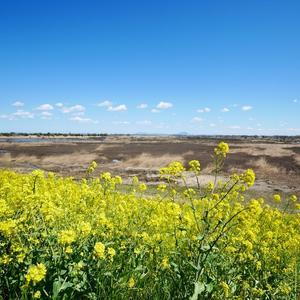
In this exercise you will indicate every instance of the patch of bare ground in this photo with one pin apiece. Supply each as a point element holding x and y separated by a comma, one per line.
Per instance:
<point>277,164</point>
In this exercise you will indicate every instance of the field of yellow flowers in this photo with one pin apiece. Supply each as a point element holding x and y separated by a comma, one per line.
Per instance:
<point>64,239</point>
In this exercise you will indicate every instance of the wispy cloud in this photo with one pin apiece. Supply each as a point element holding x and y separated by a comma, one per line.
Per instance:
<point>155,110</point>
<point>294,129</point>
<point>142,106</point>
<point>247,107</point>
<point>73,109</point>
<point>7,117</point>
<point>79,119</point>
<point>204,110</point>
<point>18,104</point>
<point>105,103</point>
<point>109,106</point>
<point>164,105</point>
<point>23,114</point>
<point>59,104</point>
<point>46,115</point>
<point>144,122</point>
<point>196,120</point>
<point>45,107</point>
<point>121,123</point>
<point>225,109</point>
<point>119,108</point>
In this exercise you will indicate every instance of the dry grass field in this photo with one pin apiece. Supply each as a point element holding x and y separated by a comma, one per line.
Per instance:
<point>276,163</point>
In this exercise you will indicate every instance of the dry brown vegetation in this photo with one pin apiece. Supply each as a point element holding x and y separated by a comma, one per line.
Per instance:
<point>276,163</point>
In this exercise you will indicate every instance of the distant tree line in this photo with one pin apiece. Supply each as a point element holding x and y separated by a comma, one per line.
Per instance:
<point>51,134</point>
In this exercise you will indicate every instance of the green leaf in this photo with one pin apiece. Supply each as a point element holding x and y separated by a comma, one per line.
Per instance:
<point>194,266</point>
<point>209,287</point>
<point>59,286</point>
<point>199,289</point>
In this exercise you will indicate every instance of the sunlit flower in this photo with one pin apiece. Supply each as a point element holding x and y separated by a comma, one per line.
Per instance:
<point>66,237</point>
<point>99,250</point>
<point>131,282</point>
<point>36,273</point>
<point>222,149</point>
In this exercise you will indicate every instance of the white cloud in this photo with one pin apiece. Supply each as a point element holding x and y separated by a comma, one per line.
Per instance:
<point>110,107</point>
<point>164,105</point>
<point>83,120</point>
<point>204,110</point>
<point>196,120</point>
<point>225,109</point>
<point>212,124</point>
<point>294,129</point>
<point>247,107</point>
<point>154,110</point>
<point>46,114</point>
<point>79,113</point>
<point>142,106</point>
<point>18,104</point>
<point>45,107</point>
<point>19,114</point>
<point>73,109</point>
<point>7,117</point>
<point>121,123</point>
<point>105,103</point>
<point>144,122</point>
<point>121,107</point>
<point>23,114</point>
<point>59,104</point>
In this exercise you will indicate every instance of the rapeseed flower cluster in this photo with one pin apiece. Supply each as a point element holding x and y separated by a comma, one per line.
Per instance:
<point>36,273</point>
<point>67,239</point>
<point>222,149</point>
<point>99,250</point>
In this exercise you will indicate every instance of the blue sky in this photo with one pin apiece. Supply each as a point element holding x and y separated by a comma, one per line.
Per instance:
<point>202,67</point>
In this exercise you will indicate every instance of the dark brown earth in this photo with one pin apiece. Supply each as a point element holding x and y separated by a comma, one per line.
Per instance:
<point>276,163</point>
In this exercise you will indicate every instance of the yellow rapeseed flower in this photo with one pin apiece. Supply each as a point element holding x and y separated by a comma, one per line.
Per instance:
<point>111,253</point>
<point>85,228</point>
<point>225,288</point>
<point>36,273</point>
<point>68,250</point>
<point>173,169</point>
<point>222,149</point>
<point>92,167</point>
<point>131,282</point>
<point>277,198</point>
<point>249,177</point>
<point>165,263</point>
<point>7,227</point>
<point>66,237</point>
<point>37,295</point>
<point>194,166</point>
<point>142,187</point>
<point>99,250</point>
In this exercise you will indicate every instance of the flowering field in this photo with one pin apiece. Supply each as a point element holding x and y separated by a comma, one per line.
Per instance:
<point>64,239</point>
